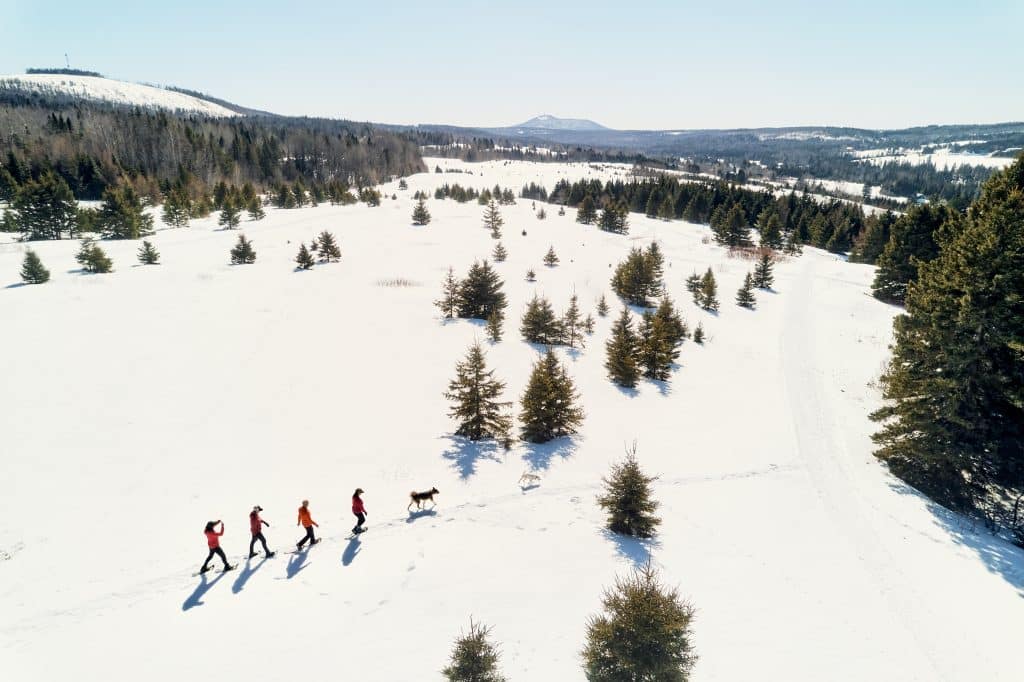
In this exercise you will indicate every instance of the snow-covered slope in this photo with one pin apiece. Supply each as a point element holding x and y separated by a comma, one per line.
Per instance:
<point>140,404</point>
<point>113,91</point>
<point>549,122</point>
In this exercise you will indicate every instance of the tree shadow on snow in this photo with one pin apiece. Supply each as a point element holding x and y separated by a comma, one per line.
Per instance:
<point>204,586</point>
<point>628,392</point>
<point>247,572</point>
<point>16,285</point>
<point>464,453</point>
<point>539,455</point>
<point>637,550</point>
<point>1000,556</point>
<point>351,550</point>
<point>296,563</point>
<point>419,514</point>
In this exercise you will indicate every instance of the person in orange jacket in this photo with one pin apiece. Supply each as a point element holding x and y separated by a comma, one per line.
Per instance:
<point>213,542</point>
<point>307,522</point>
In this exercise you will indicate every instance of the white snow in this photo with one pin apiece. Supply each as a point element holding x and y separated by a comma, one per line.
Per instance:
<point>138,405</point>
<point>942,157</point>
<point>114,91</point>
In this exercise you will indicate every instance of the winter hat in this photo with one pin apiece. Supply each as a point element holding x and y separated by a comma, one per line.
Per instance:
<point>257,508</point>
<point>359,491</point>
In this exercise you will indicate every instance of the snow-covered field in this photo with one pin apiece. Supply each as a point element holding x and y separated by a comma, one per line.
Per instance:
<point>113,91</point>
<point>137,405</point>
<point>942,158</point>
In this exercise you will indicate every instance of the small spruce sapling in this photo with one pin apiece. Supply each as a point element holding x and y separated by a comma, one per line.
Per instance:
<point>32,270</point>
<point>304,259</point>
<point>148,255</point>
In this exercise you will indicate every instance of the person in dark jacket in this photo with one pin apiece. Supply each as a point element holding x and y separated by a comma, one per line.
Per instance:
<point>359,509</point>
<point>256,527</point>
<point>213,542</point>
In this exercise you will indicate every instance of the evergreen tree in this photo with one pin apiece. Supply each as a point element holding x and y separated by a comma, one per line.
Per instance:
<point>480,292</point>
<point>561,210</point>
<point>622,349</point>
<point>254,207</point>
<point>449,301</point>
<point>32,270</point>
<point>587,212</point>
<point>763,277</point>
<point>588,324</point>
<point>420,214</point>
<point>45,208</point>
<point>628,499</point>
<point>643,634</point>
<point>539,323</point>
<point>304,259</point>
<point>177,207</point>
<point>667,209</point>
<point>475,392</point>
<point>602,306</point>
<point>572,324</point>
<point>734,231</point>
<point>242,252</point>
<point>230,214</point>
<point>531,276</point>
<point>912,241</point>
<point>148,255</point>
<point>92,258</point>
<point>613,219</point>
<point>771,231</point>
<point>651,209</point>
<point>698,334</point>
<point>495,321</point>
<point>122,215</point>
<point>500,253</point>
<point>745,296</point>
<point>693,286</point>
<point>402,184</point>
<point>474,657</point>
<point>708,292</point>
<point>541,214</point>
<point>631,280</point>
<point>493,220</point>
<point>327,247</point>
<point>654,269</point>
<point>550,258</point>
<point>549,404</point>
<point>954,423</point>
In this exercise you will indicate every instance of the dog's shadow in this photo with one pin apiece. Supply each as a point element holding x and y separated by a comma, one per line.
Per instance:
<point>420,513</point>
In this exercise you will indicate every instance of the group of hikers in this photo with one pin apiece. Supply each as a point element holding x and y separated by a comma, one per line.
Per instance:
<point>256,525</point>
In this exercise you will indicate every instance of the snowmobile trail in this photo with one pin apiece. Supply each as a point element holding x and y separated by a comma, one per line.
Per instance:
<point>859,498</point>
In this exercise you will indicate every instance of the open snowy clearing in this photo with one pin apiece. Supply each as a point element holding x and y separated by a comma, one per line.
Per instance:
<point>138,405</point>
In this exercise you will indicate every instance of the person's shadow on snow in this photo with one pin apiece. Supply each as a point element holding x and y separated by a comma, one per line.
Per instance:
<point>296,563</point>
<point>351,550</point>
<point>204,586</point>
<point>246,573</point>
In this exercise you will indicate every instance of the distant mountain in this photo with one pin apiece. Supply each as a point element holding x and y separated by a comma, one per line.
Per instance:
<point>549,122</point>
<point>110,91</point>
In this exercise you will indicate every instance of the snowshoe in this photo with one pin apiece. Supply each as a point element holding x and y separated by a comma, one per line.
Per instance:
<point>229,568</point>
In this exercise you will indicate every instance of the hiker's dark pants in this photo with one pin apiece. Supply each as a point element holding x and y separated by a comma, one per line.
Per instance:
<point>359,524</point>
<point>219,552</point>
<point>309,537</point>
<point>263,540</point>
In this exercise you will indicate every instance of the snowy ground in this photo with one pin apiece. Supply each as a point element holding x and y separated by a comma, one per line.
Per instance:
<point>140,404</point>
<point>113,91</point>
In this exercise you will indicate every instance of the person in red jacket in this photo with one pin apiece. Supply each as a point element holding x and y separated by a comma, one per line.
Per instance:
<point>213,542</point>
<point>307,522</point>
<point>359,509</point>
<point>256,527</point>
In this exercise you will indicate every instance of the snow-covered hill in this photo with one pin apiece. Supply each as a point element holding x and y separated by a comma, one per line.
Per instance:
<point>113,91</point>
<point>137,405</point>
<point>549,122</point>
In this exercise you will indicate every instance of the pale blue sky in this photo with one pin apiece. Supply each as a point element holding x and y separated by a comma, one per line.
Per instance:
<point>633,64</point>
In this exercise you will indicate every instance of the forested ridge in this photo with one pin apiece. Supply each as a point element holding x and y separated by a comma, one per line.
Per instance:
<point>93,146</point>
